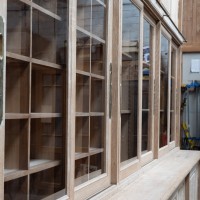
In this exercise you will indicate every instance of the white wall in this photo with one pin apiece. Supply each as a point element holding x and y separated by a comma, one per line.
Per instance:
<point>172,6</point>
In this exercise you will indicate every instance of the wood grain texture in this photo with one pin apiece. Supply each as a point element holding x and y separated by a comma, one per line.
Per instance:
<point>191,25</point>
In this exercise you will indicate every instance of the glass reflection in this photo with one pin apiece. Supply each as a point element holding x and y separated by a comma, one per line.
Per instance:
<point>129,93</point>
<point>90,91</point>
<point>164,75</point>
<point>172,95</point>
<point>146,87</point>
<point>18,27</point>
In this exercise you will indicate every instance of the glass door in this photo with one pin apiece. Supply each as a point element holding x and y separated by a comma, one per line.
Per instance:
<point>35,99</point>
<point>91,88</point>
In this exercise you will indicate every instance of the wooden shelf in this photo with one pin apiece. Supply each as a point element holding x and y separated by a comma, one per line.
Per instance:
<point>17,87</point>
<point>18,27</point>
<point>46,63</point>
<point>90,74</point>
<point>92,151</point>
<point>80,72</point>
<point>17,116</point>
<point>45,115</point>
<point>17,56</point>
<point>145,110</point>
<point>33,60</point>
<point>97,76</point>
<point>125,112</point>
<point>11,174</point>
<point>48,9</point>
<point>37,165</point>
<point>96,114</point>
<point>82,114</point>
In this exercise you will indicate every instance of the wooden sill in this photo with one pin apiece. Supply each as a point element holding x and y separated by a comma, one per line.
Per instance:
<point>161,176</point>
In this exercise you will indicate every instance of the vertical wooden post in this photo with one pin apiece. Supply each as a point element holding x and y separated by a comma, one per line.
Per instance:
<point>116,81</point>
<point>157,92</point>
<point>140,77</point>
<point>3,13</point>
<point>71,100</point>
<point>178,94</point>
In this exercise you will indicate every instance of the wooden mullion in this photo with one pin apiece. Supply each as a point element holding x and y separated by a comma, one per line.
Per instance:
<point>157,91</point>
<point>153,58</point>
<point>71,100</point>
<point>29,97</point>
<point>116,79</point>
<point>169,93</point>
<point>178,94</point>
<point>140,83</point>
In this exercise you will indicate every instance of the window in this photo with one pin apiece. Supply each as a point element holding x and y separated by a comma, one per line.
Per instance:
<point>90,143</point>
<point>35,99</point>
<point>164,92</point>
<point>173,94</point>
<point>147,87</point>
<point>129,85</point>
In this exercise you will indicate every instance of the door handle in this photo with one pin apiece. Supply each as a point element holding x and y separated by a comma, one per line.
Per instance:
<point>2,62</point>
<point>1,46</point>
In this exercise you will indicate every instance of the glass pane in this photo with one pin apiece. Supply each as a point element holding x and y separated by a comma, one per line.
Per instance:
<point>146,86</point>
<point>16,145</point>
<point>172,95</point>
<point>46,183</point>
<point>84,10</point>
<point>46,93</point>
<point>172,125</point>
<point>50,5</point>
<point>46,134</point>
<point>97,95</point>
<point>96,167</point>
<point>90,91</point>
<point>83,52</point>
<point>35,106</point>
<point>164,76</point>
<point>18,27</point>
<point>82,93</point>
<point>97,132</point>
<point>128,139</point>
<point>81,171</point>
<point>129,93</point>
<point>82,134</point>
<point>16,189</point>
<point>49,39</point>
<point>98,18</point>
<point>146,139</point>
<point>17,87</point>
<point>97,57</point>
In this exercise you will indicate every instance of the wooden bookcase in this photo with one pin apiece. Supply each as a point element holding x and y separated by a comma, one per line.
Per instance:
<point>35,94</point>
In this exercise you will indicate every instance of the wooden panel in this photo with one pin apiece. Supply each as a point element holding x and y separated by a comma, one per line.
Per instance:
<point>193,184</point>
<point>191,25</point>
